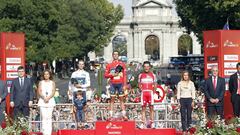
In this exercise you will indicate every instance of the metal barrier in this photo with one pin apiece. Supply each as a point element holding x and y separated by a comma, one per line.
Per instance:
<point>167,115</point>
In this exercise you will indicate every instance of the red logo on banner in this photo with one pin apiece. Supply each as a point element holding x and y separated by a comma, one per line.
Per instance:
<point>115,127</point>
<point>12,47</point>
<point>211,45</point>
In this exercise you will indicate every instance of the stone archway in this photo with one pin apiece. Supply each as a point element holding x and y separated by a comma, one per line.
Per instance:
<point>119,43</point>
<point>185,45</point>
<point>152,47</point>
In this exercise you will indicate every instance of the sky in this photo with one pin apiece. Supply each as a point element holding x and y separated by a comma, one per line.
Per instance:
<point>127,6</point>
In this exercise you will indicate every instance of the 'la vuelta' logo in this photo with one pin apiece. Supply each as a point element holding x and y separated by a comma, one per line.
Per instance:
<point>13,47</point>
<point>228,43</point>
<point>211,45</point>
<point>110,125</point>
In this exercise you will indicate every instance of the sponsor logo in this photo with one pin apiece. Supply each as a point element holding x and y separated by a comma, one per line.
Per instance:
<point>229,72</point>
<point>12,74</point>
<point>231,57</point>
<point>13,60</point>
<point>212,58</point>
<point>12,47</point>
<point>228,43</point>
<point>211,45</point>
<point>110,125</point>
<point>230,64</point>
<point>210,65</point>
<point>12,67</point>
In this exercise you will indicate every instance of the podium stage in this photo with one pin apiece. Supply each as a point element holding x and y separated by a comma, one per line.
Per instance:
<point>118,128</point>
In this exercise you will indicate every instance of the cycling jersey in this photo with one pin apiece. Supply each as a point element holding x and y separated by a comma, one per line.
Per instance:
<point>146,82</point>
<point>82,78</point>
<point>111,67</point>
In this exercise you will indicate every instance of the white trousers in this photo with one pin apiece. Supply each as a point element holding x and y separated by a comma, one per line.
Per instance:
<point>46,115</point>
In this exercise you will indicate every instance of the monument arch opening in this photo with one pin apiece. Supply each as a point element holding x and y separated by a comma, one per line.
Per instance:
<point>152,47</point>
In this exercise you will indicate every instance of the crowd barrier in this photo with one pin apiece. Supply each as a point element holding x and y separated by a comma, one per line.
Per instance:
<point>167,115</point>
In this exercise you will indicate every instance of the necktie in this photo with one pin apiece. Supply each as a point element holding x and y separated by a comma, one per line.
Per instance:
<point>21,83</point>
<point>214,82</point>
<point>238,91</point>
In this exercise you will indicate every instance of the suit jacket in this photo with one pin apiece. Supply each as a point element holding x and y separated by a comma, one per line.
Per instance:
<point>21,95</point>
<point>218,93</point>
<point>3,93</point>
<point>233,85</point>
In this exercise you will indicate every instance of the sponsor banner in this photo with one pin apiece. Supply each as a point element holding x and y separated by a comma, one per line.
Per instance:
<point>210,65</point>
<point>13,47</point>
<point>11,75</point>
<point>231,57</point>
<point>230,64</point>
<point>212,58</point>
<point>229,72</point>
<point>12,67</point>
<point>211,44</point>
<point>13,60</point>
<point>229,43</point>
<point>115,128</point>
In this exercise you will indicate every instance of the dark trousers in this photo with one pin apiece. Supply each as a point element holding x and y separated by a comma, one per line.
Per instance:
<point>2,115</point>
<point>211,110</point>
<point>186,113</point>
<point>80,116</point>
<point>236,104</point>
<point>20,111</point>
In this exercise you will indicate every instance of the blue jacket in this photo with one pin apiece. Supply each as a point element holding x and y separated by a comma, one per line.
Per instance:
<point>79,103</point>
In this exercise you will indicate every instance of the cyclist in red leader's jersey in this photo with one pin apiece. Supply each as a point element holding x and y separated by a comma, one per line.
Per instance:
<point>116,72</point>
<point>147,84</point>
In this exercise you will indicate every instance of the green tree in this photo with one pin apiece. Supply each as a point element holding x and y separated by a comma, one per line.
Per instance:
<point>60,28</point>
<point>199,15</point>
<point>95,21</point>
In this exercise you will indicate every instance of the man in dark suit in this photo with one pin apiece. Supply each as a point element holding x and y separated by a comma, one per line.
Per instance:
<point>21,94</point>
<point>214,92</point>
<point>234,88</point>
<point>3,94</point>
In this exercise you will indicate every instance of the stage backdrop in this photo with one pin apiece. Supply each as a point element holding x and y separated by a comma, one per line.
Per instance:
<point>12,55</point>
<point>222,49</point>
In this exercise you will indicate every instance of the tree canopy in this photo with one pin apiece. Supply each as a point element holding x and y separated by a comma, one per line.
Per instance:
<point>199,15</point>
<point>60,28</point>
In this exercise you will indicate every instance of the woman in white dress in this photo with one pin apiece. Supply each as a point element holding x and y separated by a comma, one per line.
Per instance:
<point>46,91</point>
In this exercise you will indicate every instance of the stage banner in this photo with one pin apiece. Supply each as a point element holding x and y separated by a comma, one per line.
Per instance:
<point>115,128</point>
<point>222,49</point>
<point>12,55</point>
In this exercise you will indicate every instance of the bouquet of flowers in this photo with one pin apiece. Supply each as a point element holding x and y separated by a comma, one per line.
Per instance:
<point>215,126</point>
<point>20,126</point>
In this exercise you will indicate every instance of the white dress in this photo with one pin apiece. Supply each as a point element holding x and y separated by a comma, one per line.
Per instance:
<point>47,89</point>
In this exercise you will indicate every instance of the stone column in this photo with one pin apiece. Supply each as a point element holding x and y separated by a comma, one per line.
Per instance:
<point>130,46</point>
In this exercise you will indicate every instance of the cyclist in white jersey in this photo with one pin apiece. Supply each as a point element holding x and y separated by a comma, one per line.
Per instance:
<point>80,80</point>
